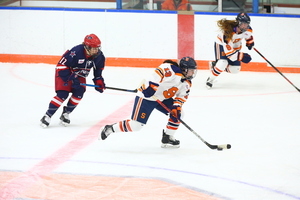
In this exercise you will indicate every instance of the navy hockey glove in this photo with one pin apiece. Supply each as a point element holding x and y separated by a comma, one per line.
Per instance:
<point>76,83</point>
<point>74,80</point>
<point>99,81</point>
<point>244,57</point>
<point>64,75</point>
<point>250,43</point>
<point>150,90</point>
<point>175,113</point>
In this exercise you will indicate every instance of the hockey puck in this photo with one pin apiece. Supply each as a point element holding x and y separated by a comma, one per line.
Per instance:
<point>228,146</point>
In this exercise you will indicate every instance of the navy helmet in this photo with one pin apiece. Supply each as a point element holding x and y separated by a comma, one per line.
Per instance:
<point>188,67</point>
<point>243,17</point>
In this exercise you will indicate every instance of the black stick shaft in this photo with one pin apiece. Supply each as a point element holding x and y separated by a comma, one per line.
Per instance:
<point>188,127</point>
<point>276,69</point>
<point>111,88</point>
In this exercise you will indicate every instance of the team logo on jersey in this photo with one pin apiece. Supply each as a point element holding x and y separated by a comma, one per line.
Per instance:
<point>168,73</point>
<point>228,47</point>
<point>236,40</point>
<point>72,54</point>
<point>80,61</point>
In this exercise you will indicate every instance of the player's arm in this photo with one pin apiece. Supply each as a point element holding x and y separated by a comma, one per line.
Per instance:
<point>249,39</point>
<point>98,68</point>
<point>179,100</point>
<point>63,68</point>
<point>99,65</point>
<point>65,71</point>
<point>149,87</point>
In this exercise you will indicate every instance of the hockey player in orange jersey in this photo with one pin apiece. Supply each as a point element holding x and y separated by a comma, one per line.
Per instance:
<point>228,44</point>
<point>170,83</point>
<point>176,5</point>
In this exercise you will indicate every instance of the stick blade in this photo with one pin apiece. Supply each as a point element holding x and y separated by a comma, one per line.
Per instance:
<point>223,146</point>
<point>219,147</point>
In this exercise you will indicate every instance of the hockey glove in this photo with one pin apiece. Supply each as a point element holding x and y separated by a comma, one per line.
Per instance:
<point>150,90</point>
<point>244,57</point>
<point>64,75</point>
<point>175,113</point>
<point>99,81</point>
<point>250,43</point>
<point>76,83</point>
<point>74,80</point>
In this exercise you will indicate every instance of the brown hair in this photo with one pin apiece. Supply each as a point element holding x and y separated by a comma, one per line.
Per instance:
<point>171,62</point>
<point>227,27</point>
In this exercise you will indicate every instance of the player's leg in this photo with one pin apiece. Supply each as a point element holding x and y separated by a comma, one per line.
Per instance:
<point>74,100</point>
<point>55,103</point>
<point>141,112</point>
<point>217,66</point>
<point>168,133</point>
<point>233,67</point>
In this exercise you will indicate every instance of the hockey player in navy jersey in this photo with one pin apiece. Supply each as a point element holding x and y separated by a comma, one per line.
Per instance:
<point>72,70</point>
<point>169,83</point>
<point>228,44</point>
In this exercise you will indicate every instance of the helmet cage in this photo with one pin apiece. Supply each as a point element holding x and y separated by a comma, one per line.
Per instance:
<point>243,20</point>
<point>89,50</point>
<point>190,73</point>
<point>243,26</point>
<point>188,67</point>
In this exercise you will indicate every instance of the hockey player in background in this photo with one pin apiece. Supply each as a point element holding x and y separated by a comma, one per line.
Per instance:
<point>228,44</point>
<point>71,70</point>
<point>169,83</point>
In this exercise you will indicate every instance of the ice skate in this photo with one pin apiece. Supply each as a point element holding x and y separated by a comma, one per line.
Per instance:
<point>45,121</point>
<point>209,83</point>
<point>169,141</point>
<point>65,119</point>
<point>105,132</point>
<point>211,65</point>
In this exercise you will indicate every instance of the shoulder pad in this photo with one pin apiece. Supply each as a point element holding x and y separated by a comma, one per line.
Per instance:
<point>176,69</point>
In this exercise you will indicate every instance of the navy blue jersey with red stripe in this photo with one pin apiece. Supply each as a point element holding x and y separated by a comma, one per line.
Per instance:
<point>77,61</point>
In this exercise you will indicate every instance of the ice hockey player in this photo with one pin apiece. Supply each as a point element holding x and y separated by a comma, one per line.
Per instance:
<point>228,44</point>
<point>170,83</point>
<point>72,70</point>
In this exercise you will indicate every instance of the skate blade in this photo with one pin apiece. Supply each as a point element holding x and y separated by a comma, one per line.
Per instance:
<point>170,146</point>
<point>208,87</point>
<point>43,125</point>
<point>64,124</point>
<point>100,134</point>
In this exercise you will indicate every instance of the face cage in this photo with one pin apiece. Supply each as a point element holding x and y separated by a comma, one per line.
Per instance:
<point>88,49</point>
<point>243,29</point>
<point>190,77</point>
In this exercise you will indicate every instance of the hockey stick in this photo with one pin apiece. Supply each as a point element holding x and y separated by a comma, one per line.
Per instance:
<point>218,147</point>
<point>276,69</point>
<point>111,88</point>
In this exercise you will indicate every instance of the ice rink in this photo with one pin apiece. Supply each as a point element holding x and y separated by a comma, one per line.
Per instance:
<point>257,113</point>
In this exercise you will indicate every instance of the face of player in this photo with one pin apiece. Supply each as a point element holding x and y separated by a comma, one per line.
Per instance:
<point>243,26</point>
<point>190,74</point>
<point>94,51</point>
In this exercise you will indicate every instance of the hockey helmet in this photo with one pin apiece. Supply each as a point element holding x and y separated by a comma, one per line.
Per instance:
<point>92,41</point>
<point>243,17</point>
<point>243,20</point>
<point>188,67</point>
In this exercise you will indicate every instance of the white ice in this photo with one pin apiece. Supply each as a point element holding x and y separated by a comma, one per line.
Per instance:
<point>257,113</point>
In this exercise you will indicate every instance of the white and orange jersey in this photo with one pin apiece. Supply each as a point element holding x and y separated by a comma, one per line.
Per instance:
<point>233,46</point>
<point>168,83</point>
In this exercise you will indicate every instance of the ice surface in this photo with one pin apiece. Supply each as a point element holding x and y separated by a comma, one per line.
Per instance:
<point>257,113</point>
